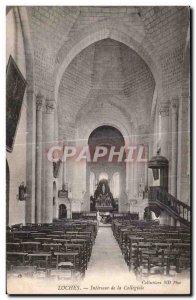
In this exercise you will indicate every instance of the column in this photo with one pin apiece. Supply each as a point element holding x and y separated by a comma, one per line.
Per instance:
<point>31,157</point>
<point>154,130</point>
<point>164,112</point>
<point>49,136</point>
<point>135,170</point>
<point>174,154</point>
<point>43,165</point>
<point>38,172</point>
<point>146,166</point>
<point>64,166</point>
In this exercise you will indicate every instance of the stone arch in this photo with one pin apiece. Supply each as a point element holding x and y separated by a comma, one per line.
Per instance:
<point>28,46</point>
<point>132,38</point>
<point>108,136</point>
<point>126,133</point>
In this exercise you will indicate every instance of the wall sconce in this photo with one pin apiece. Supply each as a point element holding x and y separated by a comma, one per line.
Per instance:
<point>22,192</point>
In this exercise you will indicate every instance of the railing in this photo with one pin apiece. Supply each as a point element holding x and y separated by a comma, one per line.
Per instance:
<point>179,209</point>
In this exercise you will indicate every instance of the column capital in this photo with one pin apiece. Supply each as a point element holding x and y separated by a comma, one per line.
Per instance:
<point>39,101</point>
<point>50,105</point>
<point>164,108</point>
<point>174,104</point>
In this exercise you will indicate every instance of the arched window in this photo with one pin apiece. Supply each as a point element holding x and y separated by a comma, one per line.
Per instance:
<point>159,129</point>
<point>92,183</point>
<point>54,192</point>
<point>116,185</point>
<point>103,176</point>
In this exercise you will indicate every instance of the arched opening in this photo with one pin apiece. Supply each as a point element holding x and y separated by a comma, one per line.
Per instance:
<point>152,212</point>
<point>54,199</point>
<point>54,193</point>
<point>92,183</point>
<point>7,192</point>
<point>106,113</point>
<point>62,211</point>
<point>109,173</point>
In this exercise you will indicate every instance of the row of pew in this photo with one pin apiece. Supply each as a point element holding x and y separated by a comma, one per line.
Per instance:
<point>58,250</point>
<point>150,248</point>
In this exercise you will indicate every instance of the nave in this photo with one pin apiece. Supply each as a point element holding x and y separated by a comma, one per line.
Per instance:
<point>98,130</point>
<point>106,256</point>
<point>96,257</point>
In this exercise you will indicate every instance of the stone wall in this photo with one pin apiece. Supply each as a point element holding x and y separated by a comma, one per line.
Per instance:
<point>17,158</point>
<point>101,65</point>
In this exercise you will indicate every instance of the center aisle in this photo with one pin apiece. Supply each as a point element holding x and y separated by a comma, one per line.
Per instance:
<point>107,265</point>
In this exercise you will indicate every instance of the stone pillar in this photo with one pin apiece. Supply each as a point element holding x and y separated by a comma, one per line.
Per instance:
<point>135,169</point>
<point>38,172</point>
<point>43,165</point>
<point>49,136</point>
<point>31,157</point>
<point>154,130</point>
<point>64,165</point>
<point>164,112</point>
<point>174,155</point>
<point>146,165</point>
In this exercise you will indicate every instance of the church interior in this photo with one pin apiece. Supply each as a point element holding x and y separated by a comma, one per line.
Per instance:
<point>105,79</point>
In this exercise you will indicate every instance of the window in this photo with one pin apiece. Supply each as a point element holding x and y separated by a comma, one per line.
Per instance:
<point>92,183</point>
<point>116,185</point>
<point>103,176</point>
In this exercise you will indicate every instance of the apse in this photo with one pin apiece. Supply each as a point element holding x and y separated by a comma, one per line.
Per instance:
<point>113,173</point>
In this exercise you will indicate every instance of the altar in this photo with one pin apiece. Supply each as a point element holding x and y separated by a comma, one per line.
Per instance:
<point>103,199</point>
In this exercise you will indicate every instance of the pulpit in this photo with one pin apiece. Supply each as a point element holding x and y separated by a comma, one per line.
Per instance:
<point>159,165</point>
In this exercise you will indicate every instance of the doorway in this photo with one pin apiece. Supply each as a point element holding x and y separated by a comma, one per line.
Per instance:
<point>62,211</point>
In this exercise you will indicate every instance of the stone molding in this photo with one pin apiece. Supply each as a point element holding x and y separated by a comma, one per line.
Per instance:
<point>174,104</point>
<point>50,106</point>
<point>39,102</point>
<point>164,109</point>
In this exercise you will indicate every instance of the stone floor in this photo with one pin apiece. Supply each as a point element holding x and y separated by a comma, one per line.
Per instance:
<point>106,255</point>
<point>107,263</point>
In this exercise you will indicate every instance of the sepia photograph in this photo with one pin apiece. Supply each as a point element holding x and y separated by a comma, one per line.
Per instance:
<point>98,150</point>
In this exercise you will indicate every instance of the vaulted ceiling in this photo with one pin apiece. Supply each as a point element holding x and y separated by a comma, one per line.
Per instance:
<point>105,72</point>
